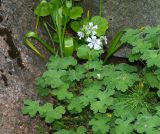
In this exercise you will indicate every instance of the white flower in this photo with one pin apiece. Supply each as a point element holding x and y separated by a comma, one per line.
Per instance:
<point>91,26</point>
<point>80,34</point>
<point>90,29</point>
<point>94,42</point>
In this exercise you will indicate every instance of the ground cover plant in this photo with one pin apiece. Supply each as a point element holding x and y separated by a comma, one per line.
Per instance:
<point>91,96</point>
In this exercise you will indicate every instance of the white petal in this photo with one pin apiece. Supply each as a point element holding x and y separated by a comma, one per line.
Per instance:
<point>94,33</point>
<point>97,47</point>
<point>89,39</point>
<point>95,27</point>
<point>90,45</point>
<point>99,42</point>
<point>94,37</point>
<point>80,34</point>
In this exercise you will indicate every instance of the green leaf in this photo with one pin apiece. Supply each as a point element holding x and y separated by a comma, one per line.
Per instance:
<point>30,107</point>
<point>125,67</point>
<point>81,130</point>
<point>89,95</point>
<point>41,87</point>
<point>120,77</point>
<point>35,36</point>
<point>115,45</point>
<point>96,65</point>
<point>46,111</point>
<point>62,92</point>
<point>145,42</point>
<point>76,74</point>
<point>68,46</point>
<point>44,9</point>
<point>100,124</point>
<point>130,36</point>
<point>101,23</point>
<point>75,26</point>
<point>152,80</point>
<point>84,52</point>
<point>123,126</point>
<point>32,47</point>
<point>43,110</point>
<point>64,131</point>
<point>53,78</point>
<point>55,114</point>
<point>152,57</point>
<point>75,105</point>
<point>61,63</point>
<point>104,101</point>
<point>76,12</point>
<point>148,124</point>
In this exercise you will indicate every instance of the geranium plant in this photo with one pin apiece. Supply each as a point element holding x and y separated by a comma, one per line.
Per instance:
<point>91,96</point>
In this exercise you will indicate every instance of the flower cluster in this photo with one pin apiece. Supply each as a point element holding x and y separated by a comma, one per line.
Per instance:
<point>88,33</point>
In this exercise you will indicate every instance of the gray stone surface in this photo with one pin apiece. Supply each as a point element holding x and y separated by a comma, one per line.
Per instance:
<point>19,67</point>
<point>126,13</point>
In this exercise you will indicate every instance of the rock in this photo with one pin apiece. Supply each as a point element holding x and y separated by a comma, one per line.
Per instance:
<point>126,13</point>
<point>19,67</point>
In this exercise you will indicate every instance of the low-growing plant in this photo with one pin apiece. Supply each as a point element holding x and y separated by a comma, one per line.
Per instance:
<point>88,95</point>
<point>93,97</point>
<point>56,17</point>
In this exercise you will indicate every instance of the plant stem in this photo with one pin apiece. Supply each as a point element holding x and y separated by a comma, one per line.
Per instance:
<point>48,31</point>
<point>36,25</point>
<point>100,7</point>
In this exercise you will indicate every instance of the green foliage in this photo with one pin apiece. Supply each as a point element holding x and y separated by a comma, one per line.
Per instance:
<point>61,63</point>
<point>60,13</point>
<point>121,77</point>
<point>109,98</point>
<point>46,111</point>
<point>80,130</point>
<point>100,124</point>
<point>31,107</point>
<point>44,9</point>
<point>88,95</point>
<point>103,102</point>
<point>145,43</point>
<point>123,126</point>
<point>84,52</point>
<point>55,16</point>
<point>101,23</point>
<point>148,124</point>
<point>76,12</point>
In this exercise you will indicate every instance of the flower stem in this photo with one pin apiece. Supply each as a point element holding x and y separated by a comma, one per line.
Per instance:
<point>100,7</point>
